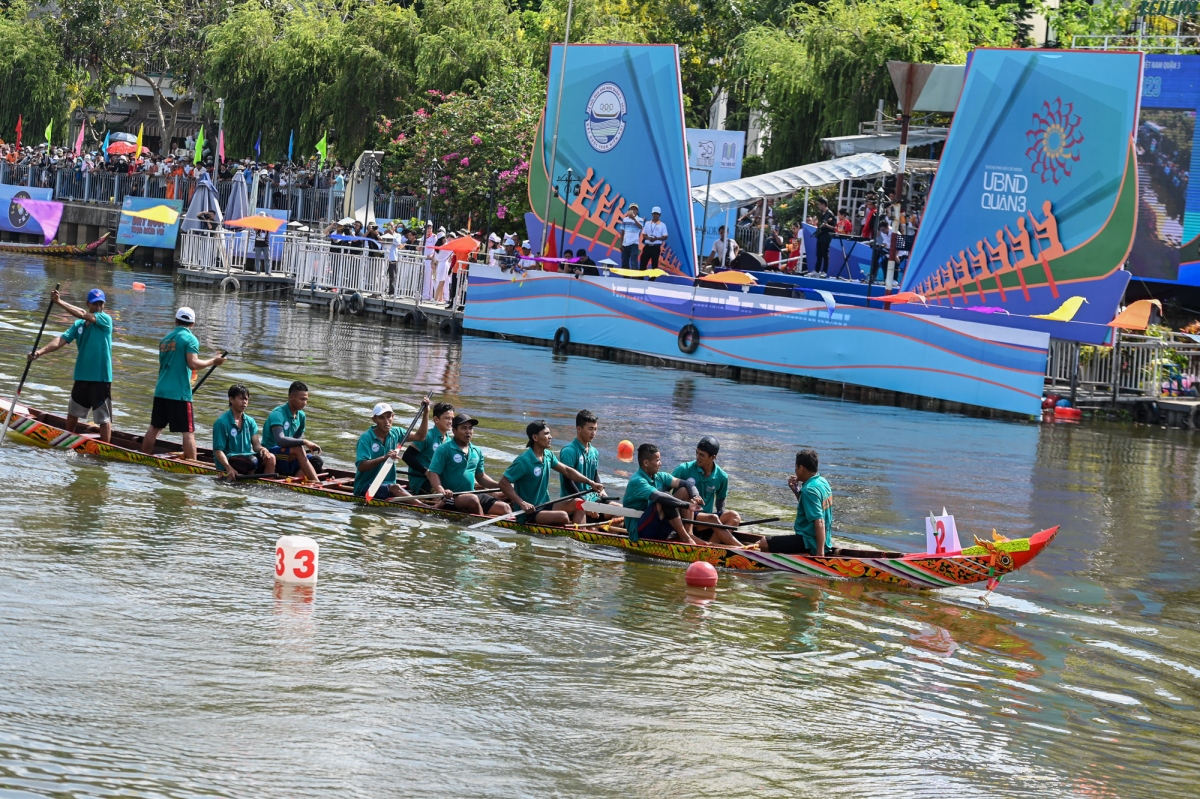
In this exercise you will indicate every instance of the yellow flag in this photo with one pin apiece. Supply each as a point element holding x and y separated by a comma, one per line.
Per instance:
<point>138,152</point>
<point>162,214</point>
<point>1066,312</point>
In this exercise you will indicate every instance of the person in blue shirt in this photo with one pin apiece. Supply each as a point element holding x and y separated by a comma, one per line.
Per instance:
<point>814,512</point>
<point>92,333</point>
<point>237,446</point>
<point>284,437</point>
<point>178,357</point>
<point>420,452</point>
<point>458,466</point>
<point>526,482</point>
<point>379,448</point>
<point>713,484</point>
<point>664,515</point>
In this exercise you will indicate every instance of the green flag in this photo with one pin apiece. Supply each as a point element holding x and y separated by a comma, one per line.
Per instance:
<point>323,149</point>
<point>199,147</point>
<point>49,130</point>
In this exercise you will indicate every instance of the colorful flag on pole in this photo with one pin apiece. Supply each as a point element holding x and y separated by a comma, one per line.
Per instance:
<point>19,118</point>
<point>221,146</point>
<point>137,152</point>
<point>258,146</point>
<point>79,139</point>
<point>104,147</point>
<point>199,147</point>
<point>323,149</point>
<point>49,131</point>
<point>291,141</point>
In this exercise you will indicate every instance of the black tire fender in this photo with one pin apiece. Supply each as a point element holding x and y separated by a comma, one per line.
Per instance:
<point>230,282</point>
<point>356,303</point>
<point>562,339</point>
<point>689,339</point>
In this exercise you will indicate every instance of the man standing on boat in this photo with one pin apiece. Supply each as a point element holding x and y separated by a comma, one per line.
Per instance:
<point>631,234</point>
<point>419,454</point>
<point>92,334</point>
<point>456,468</point>
<point>178,355</point>
<point>237,446</point>
<point>526,481</point>
<point>284,437</point>
<point>654,236</point>
<point>713,485</point>
<point>379,447</point>
<point>814,512</point>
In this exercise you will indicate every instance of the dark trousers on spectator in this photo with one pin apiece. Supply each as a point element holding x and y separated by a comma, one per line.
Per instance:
<point>453,289</point>
<point>262,259</point>
<point>879,259</point>
<point>392,269</point>
<point>650,254</point>
<point>822,264</point>
<point>629,256</point>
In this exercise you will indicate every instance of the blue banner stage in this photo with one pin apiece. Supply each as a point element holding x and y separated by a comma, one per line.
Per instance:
<point>955,360</point>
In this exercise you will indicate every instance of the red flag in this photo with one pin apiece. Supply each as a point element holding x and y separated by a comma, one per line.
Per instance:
<point>19,116</point>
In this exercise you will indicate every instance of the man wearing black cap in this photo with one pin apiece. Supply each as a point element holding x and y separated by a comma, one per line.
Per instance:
<point>457,466</point>
<point>526,482</point>
<point>92,333</point>
<point>713,484</point>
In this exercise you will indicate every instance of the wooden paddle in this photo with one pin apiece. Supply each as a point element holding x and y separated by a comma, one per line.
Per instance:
<point>388,462</point>
<point>536,508</point>
<point>12,407</point>
<point>634,513</point>
<point>200,382</point>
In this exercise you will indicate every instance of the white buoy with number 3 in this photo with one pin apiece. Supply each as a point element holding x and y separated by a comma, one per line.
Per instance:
<point>296,559</point>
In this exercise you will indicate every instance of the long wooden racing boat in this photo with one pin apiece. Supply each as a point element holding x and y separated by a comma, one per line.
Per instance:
<point>54,249</point>
<point>987,561</point>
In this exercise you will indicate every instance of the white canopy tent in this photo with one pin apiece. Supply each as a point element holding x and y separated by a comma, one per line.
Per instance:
<point>734,194</point>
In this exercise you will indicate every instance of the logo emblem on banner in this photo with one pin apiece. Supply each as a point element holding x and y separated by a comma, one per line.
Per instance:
<point>605,117</point>
<point>17,214</point>
<point>1055,140</point>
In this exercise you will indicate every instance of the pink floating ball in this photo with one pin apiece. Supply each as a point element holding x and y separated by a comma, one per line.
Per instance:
<point>701,575</point>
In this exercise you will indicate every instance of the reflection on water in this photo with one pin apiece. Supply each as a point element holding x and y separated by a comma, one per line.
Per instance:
<point>146,650</point>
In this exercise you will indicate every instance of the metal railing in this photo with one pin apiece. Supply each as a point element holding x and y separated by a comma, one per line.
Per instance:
<point>319,265</point>
<point>1136,41</point>
<point>1135,366</point>
<point>213,250</point>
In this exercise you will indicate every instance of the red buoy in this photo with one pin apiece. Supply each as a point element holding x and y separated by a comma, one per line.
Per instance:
<point>701,574</point>
<point>625,451</point>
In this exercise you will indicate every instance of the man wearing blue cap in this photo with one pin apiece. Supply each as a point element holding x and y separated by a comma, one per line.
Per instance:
<point>92,334</point>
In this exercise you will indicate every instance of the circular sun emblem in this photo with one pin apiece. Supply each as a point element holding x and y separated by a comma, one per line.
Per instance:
<point>605,117</point>
<point>17,215</point>
<point>1055,140</point>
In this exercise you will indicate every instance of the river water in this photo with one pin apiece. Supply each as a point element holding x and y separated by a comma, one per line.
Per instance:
<point>145,652</point>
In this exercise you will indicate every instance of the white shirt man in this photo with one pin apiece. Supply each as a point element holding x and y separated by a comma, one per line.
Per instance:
<point>430,242</point>
<point>717,257</point>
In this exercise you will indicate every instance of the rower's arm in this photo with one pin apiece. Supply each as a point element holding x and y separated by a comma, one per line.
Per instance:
<point>819,532</point>
<point>577,477</point>
<point>486,480</point>
<point>282,440</point>
<point>256,442</point>
<point>220,459</point>
<point>435,482</point>
<point>76,311</point>
<point>58,343</point>
<point>418,435</point>
<point>663,498</point>
<point>510,493</point>
<point>194,362</point>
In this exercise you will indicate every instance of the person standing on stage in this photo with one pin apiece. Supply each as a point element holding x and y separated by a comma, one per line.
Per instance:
<point>654,236</point>
<point>92,334</point>
<point>178,355</point>
<point>631,233</point>
<point>826,224</point>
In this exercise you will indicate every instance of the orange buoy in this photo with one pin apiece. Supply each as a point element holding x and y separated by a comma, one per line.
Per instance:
<point>139,286</point>
<point>701,574</point>
<point>625,451</point>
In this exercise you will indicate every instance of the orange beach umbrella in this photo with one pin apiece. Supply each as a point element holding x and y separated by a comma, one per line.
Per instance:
<point>268,223</point>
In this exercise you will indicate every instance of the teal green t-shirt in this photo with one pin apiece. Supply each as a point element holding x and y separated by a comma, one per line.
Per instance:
<point>292,424</point>
<point>583,458</point>
<point>174,374</point>
<point>94,340</point>
<point>425,450</point>
<point>815,502</point>
<point>234,440</point>
<point>713,488</point>
<point>641,486</point>
<point>369,447</point>
<point>530,476</point>
<point>455,468</point>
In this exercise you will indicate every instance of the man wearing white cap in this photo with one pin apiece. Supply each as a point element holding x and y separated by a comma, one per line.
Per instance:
<point>654,235</point>
<point>526,261</point>
<point>494,249</point>
<point>379,448</point>
<point>178,355</point>
<point>631,233</point>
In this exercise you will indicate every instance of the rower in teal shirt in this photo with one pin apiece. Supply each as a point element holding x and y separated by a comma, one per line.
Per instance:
<point>713,485</point>
<point>236,445</point>
<point>424,448</point>
<point>178,355</point>
<point>458,465</point>
<point>581,456</point>
<point>526,482</point>
<point>814,512</point>
<point>379,448</point>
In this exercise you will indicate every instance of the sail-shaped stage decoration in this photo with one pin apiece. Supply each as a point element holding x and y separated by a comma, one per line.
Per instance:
<point>621,131</point>
<point>1035,200</point>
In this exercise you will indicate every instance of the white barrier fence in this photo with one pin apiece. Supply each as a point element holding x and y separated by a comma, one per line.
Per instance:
<point>213,250</point>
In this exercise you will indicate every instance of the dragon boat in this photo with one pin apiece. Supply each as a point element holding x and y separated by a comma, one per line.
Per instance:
<point>54,249</point>
<point>987,561</point>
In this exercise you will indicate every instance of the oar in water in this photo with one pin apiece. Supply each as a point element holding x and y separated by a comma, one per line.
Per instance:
<point>536,508</point>
<point>387,462</point>
<point>200,382</point>
<point>12,407</point>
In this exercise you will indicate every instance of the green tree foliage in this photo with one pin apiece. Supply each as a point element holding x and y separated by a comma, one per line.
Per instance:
<point>34,77</point>
<point>822,71</point>
<point>1079,17</point>
<point>467,137</point>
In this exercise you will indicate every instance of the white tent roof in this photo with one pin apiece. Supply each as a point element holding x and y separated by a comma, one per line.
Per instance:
<point>745,191</point>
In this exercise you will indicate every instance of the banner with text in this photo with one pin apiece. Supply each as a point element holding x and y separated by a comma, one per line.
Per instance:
<point>715,154</point>
<point>15,218</point>
<point>144,233</point>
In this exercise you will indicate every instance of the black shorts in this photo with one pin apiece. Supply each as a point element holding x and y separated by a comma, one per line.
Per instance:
<point>486,501</point>
<point>90,393</point>
<point>244,464</point>
<point>653,526</point>
<point>176,414</point>
<point>790,545</point>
